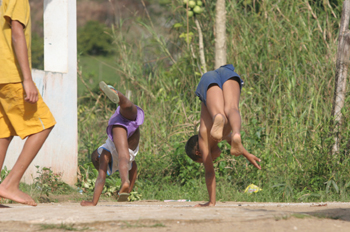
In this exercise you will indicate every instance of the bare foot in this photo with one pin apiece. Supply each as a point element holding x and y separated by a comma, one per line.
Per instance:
<point>236,145</point>
<point>87,203</point>
<point>218,127</point>
<point>16,195</point>
<point>124,188</point>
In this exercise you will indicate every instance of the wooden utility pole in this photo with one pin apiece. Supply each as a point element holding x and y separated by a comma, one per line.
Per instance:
<point>220,39</point>
<point>341,72</point>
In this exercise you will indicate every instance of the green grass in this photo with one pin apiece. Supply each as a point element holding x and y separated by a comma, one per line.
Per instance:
<point>140,225</point>
<point>94,70</point>
<point>300,215</point>
<point>62,226</point>
<point>226,191</point>
<point>286,57</point>
<point>285,52</point>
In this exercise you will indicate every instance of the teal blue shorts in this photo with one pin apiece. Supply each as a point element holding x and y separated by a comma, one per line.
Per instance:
<point>217,77</point>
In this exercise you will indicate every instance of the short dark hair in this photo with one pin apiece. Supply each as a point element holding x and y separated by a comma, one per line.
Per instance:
<point>95,159</point>
<point>191,147</point>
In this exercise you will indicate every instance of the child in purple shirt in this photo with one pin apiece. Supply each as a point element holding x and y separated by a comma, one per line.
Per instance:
<point>121,147</point>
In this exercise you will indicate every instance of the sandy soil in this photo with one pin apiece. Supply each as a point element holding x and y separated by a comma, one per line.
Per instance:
<point>175,216</point>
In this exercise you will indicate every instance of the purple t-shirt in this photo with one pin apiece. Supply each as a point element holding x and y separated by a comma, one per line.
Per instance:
<point>118,120</point>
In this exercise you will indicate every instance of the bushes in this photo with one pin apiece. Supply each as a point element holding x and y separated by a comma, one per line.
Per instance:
<point>288,67</point>
<point>94,39</point>
<point>37,51</point>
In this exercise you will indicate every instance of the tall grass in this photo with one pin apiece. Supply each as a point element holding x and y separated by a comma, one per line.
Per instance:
<point>285,52</point>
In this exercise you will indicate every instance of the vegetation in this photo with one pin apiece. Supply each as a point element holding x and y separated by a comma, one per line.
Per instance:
<point>62,226</point>
<point>285,52</point>
<point>93,39</point>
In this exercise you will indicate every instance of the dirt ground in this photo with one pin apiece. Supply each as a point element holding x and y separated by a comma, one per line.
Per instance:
<point>177,216</point>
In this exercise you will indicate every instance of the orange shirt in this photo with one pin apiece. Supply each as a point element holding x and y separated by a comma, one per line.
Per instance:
<point>18,10</point>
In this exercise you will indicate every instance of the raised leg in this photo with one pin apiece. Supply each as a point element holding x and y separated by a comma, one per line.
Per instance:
<point>231,91</point>
<point>9,188</point>
<point>121,144</point>
<point>215,106</point>
<point>127,107</point>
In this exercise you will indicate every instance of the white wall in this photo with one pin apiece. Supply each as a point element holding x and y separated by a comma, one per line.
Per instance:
<point>58,87</point>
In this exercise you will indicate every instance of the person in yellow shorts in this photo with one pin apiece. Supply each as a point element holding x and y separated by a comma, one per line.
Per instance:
<point>23,112</point>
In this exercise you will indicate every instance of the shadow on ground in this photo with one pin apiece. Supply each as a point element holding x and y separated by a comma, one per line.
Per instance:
<point>335,214</point>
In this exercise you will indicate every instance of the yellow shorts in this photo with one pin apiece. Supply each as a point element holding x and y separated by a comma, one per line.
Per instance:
<point>18,117</point>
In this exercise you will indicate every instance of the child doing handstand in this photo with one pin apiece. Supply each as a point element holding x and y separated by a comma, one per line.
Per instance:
<point>219,92</point>
<point>121,147</point>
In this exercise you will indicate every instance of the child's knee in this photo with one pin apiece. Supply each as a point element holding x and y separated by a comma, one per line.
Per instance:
<point>231,109</point>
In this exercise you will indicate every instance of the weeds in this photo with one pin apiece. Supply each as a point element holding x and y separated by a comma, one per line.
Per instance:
<point>300,215</point>
<point>48,182</point>
<point>87,180</point>
<point>287,60</point>
<point>139,225</point>
<point>4,172</point>
<point>61,227</point>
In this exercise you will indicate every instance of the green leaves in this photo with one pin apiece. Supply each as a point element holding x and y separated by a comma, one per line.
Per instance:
<point>4,172</point>
<point>187,37</point>
<point>88,178</point>
<point>94,39</point>
<point>285,104</point>
<point>329,184</point>
<point>47,182</point>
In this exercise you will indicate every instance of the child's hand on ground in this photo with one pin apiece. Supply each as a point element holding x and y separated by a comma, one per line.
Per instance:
<point>204,205</point>
<point>31,91</point>
<point>253,159</point>
<point>87,203</point>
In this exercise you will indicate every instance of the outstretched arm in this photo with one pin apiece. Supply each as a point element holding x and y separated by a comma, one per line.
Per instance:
<point>209,173</point>
<point>100,182</point>
<point>21,51</point>
<point>205,147</point>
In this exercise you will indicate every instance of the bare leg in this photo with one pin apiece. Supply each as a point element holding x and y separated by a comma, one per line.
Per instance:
<point>215,106</point>
<point>129,111</point>
<point>122,147</point>
<point>132,175</point>
<point>9,188</point>
<point>232,93</point>
<point>4,144</point>
<point>127,107</point>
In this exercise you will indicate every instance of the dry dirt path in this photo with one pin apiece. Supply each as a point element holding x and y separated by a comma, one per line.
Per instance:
<point>176,216</point>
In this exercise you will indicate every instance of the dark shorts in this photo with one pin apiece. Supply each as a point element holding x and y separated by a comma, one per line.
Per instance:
<point>218,77</point>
